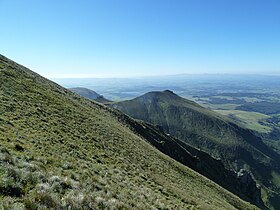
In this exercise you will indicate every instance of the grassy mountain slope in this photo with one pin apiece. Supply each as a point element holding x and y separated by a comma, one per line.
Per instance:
<point>236,147</point>
<point>90,94</point>
<point>59,150</point>
<point>201,162</point>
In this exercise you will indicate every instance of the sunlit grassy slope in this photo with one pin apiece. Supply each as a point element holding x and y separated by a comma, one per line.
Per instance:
<point>59,150</point>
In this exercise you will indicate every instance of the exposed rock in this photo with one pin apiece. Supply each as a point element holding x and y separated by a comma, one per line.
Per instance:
<point>249,186</point>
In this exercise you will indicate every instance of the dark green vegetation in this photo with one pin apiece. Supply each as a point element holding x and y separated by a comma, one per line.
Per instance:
<point>237,147</point>
<point>90,94</point>
<point>60,151</point>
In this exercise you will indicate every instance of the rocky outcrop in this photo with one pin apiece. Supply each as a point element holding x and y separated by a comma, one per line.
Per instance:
<point>248,186</point>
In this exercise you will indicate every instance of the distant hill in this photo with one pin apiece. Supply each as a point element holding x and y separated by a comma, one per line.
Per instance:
<point>236,147</point>
<point>90,94</point>
<point>61,151</point>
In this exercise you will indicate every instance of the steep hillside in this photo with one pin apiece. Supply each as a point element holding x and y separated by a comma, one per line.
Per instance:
<point>236,147</point>
<point>90,94</point>
<point>241,184</point>
<point>61,151</point>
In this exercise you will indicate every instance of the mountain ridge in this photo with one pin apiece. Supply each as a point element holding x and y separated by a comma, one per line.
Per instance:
<point>236,147</point>
<point>59,150</point>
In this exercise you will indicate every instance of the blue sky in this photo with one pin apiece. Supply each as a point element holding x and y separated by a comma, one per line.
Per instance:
<point>116,38</point>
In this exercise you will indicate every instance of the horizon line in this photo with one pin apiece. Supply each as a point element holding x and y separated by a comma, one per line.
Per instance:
<point>156,75</point>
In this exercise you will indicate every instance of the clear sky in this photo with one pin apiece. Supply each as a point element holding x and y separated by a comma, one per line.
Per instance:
<point>110,38</point>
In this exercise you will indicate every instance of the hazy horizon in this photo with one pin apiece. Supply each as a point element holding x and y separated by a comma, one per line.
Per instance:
<point>167,75</point>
